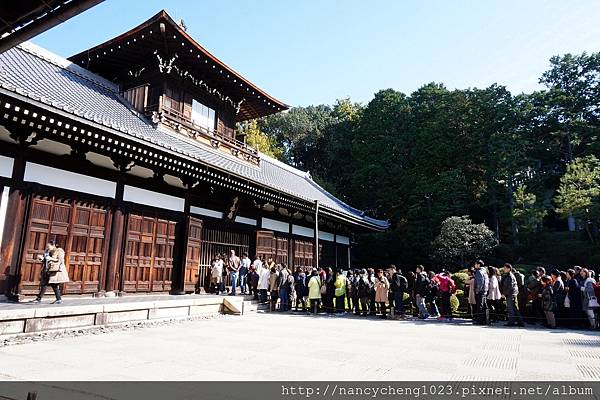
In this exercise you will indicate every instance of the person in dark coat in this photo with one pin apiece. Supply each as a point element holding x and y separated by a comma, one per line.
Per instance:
<point>301,286</point>
<point>510,290</point>
<point>253,282</point>
<point>547,301</point>
<point>481,316</point>
<point>574,313</point>
<point>330,291</point>
<point>558,288</point>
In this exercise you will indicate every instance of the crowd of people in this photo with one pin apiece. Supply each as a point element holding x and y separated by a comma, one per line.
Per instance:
<point>489,295</point>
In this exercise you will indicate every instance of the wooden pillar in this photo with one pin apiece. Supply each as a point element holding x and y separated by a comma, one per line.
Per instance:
<point>180,250</point>
<point>316,237</point>
<point>290,246</point>
<point>13,239</point>
<point>114,266</point>
<point>335,249</point>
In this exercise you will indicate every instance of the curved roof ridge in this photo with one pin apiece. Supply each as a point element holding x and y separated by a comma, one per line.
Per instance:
<point>332,197</point>
<point>63,63</point>
<point>283,165</point>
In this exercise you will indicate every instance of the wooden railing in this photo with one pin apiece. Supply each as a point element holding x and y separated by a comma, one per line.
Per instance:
<point>175,118</point>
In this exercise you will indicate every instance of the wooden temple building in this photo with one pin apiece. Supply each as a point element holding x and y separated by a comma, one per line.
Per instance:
<point>126,154</point>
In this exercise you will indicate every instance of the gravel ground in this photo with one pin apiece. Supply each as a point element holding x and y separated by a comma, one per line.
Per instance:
<point>24,338</point>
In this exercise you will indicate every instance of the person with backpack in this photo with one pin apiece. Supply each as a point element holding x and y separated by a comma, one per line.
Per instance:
<point>314,291</point>
<point>341,285</point>
<point>398,287</point>
<point>363,290</point>
<point>432,295</point>
<point>421,289</point>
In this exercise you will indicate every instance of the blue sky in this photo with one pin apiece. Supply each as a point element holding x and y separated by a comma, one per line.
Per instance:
<point>315,51</point>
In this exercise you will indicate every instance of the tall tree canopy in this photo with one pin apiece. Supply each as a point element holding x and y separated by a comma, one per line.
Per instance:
<point>420,158</point>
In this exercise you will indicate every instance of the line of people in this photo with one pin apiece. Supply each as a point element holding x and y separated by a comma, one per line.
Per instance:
<point>558,298</point>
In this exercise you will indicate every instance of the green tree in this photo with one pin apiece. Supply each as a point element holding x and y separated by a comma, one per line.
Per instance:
<point>258,140</point>
<point>460,240</point>
<point>579,193</point>
<point>573,96</point>
<point>528,215</point>
<point>299,132</point>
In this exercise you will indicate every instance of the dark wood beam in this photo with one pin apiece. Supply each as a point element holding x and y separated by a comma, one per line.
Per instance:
<point>42,24</point>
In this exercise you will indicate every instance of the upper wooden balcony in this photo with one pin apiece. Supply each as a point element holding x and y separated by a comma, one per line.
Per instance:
<point>219,140</point>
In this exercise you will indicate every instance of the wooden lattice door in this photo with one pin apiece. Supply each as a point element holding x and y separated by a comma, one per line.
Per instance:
<point>193,252</point>
<point>148,254</point>
<point>303,253</point>
<point>266,244</point>
<point>79,228</point>
<point>85,248</point>
<point>282,250</point>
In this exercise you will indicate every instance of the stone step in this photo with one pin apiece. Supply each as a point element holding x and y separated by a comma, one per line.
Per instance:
<point>27,318</point>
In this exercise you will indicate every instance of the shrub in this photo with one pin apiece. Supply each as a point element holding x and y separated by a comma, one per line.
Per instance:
<point>454,303</point>
<point>460,278</point>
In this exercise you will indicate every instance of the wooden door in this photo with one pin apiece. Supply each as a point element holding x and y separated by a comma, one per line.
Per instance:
<point>266,244</point>
<point>162,265</point>
<point>148,261</point>
<point>282,250</point>
<point>85,248</point>
<point>192,257</point>
<point>79,229</point>
<point>303,253</point>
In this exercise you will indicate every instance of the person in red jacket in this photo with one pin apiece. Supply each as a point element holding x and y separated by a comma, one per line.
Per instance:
<point>446,288</point>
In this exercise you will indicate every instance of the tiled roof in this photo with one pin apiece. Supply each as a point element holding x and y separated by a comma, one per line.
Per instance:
<point>47,78</point>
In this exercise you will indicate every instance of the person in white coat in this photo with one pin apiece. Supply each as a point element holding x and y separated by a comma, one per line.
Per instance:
<point>494,297</point>
<point>216,275</point>
<point>263,284</point>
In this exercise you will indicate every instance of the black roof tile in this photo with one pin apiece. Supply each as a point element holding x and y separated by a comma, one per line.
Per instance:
<point>47,78</point>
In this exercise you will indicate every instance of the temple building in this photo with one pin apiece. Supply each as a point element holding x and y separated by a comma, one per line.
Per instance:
<point>127,155</point>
